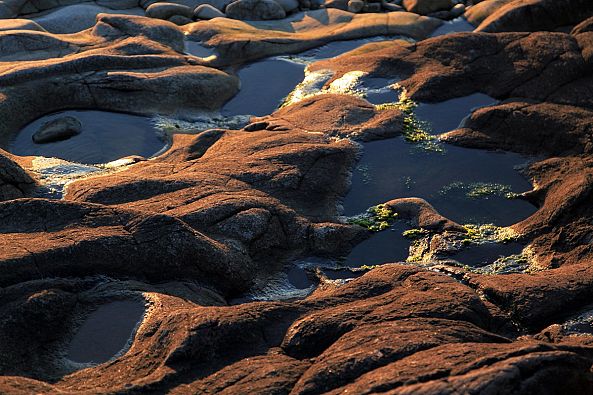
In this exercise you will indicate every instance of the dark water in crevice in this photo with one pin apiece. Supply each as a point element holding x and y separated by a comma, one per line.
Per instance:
<point>448,115</point>
<point>478,255</point>
<point>105,332</point>
<point>382,247</point>
<point>105,137</point>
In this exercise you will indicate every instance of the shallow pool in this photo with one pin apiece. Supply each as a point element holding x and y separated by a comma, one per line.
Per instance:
<point>105,136</point>
<point>105,332</point>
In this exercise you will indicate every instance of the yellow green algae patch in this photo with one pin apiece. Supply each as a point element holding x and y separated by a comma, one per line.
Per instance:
<point>414,130</point>
<point>376,219</point>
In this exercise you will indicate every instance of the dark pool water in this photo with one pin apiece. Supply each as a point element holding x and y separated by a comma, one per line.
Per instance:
<point>382,247</point>
<point>393,168</point>
<point>105,332</point>
<point>448,115</point>
<point>455,26</point>
<point>264,85</point>
<point>477,255</point>
<point>106,136</point>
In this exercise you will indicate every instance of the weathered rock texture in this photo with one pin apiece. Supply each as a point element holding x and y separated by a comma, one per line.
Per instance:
<point>194,227</point>
<point>239,41</point>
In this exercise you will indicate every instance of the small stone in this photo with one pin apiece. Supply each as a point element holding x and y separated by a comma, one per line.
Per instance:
<point>57,129</point>
<point>255,10</point>
<point>207,11</point>
<point>218,4</point>
<point>167,10</point>
<point>339,4</point>
<point>425,7</point>
<point>355,6</point>
<point>180,20</point>
<point>457,10</point>
<point>118,4</point>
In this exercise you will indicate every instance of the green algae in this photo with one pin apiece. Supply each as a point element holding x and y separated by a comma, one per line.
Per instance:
<point>517,263</point>
<point>475,233</point>
<point>376,219</point>
<point>415,234</point>
<point>480,190</point>
<point>414,130</point>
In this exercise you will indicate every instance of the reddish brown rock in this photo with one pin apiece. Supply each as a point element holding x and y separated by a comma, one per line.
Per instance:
<point>534,15</point>
<point>189,229</point>
<point>532,66</point>
<point>336,115</point>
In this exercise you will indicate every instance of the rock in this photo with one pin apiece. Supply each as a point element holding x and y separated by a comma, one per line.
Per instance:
<point>57,129</point>
<point>355,5</point>
<point>531,128</point>
<point>555,58</point>
<point>19,24</point>
<point>372,7</point>
<point>255,10</point>
<point>533,15</point>
<point>583,27</point>
<point>75,18</point>
<point>422,215</point>
<point>180,20</point>
<point>425,7</point>
<point>206,11</point>
<point>457,10</point>
<point>118,4</point>
<point>341,116</point>
<point>240,42</point>
<point>482,10</point>
<point>391,7</point>
<point>15,182</point>
<point>189,231</point>
<point>339,4</point>
<point>288,5</point>
<point>126,85</point>
<point>218,4</point>
<point>167,10</point>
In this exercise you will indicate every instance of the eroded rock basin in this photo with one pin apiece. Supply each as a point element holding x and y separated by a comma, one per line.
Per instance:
<point>105,332</point>
<point>105,137</point>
